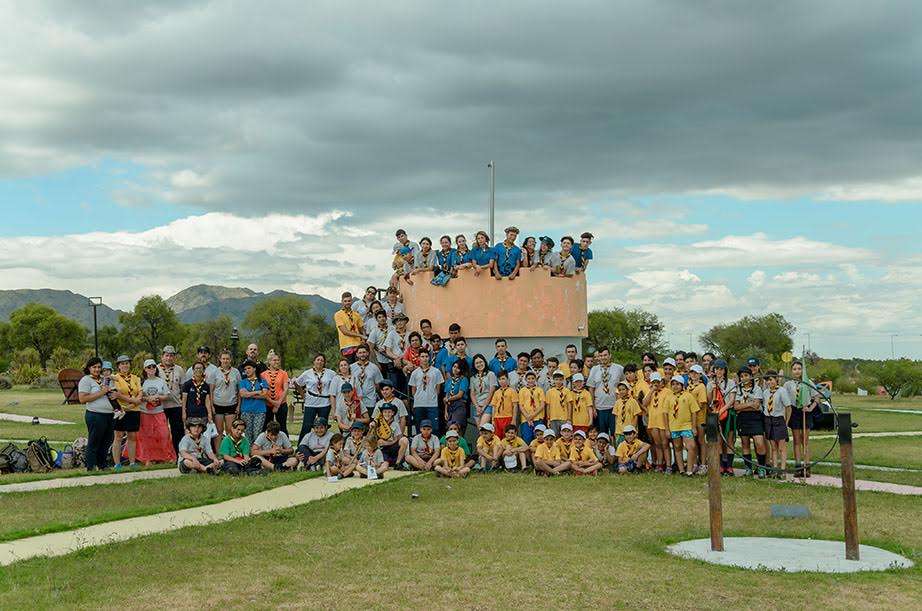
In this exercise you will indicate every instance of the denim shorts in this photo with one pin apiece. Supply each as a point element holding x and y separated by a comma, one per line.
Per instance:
<point>680,434</point>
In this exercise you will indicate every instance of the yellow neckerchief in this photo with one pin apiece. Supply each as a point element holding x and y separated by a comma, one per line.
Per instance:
<point>199,388</point>
<point>403,341</point>
<point>382,427</point>
<point>566,444</point>
<point>454,458</point>
<point>198,445</point>
<point>386,330</point>
<point>168,375</point>
<point>254,384</point>
<point>529,257</point>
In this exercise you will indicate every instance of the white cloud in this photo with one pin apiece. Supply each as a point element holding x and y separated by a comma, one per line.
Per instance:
<point>756,279</point>
<point>907,189</point>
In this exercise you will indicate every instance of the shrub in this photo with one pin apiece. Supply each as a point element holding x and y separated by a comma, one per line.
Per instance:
<point>46,382</point>
<point>5,382</point>
<point>26,374</point>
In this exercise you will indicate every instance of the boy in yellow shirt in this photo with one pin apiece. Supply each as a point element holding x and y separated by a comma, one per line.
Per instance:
<point>488,447</point>
<point>559,403</point>
<point>582,459</point>
<point>505,403</point>
<point>698,390</point>
<point>514,450</point>
<point>583,411</point>
<point>565,443</point>
<point>682,412</point>
<point>625,411</point>
<point>531,407</point>
<point>632,452</point>
<point>548,460</point>
<point>656,406</point>
<point>639,387</point>
<point>538,440</point>
<point>451,462</point>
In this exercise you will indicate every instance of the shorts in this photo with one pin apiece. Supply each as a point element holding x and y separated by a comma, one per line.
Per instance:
<point>749,424</point>
<point>225,410</point>
<point>797,420</point>
<point>631,465</point>
<point>686,434</point>
<point>390,453</point>
<point>129,423</point>
<point>308,453</point>
<point>775,428</point>
<point>280,460</point>
<point>204,461</point>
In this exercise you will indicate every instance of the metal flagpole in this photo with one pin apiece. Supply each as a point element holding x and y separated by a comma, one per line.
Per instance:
<point>491,168</point>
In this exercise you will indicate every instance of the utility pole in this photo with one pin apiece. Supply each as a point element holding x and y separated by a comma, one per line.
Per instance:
<point>892,350</point>
<point>95,302</point>
<point>491,167</point>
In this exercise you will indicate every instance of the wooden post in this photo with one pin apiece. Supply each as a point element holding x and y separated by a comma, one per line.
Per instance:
<point>848,487</point>
<point>712,434</point>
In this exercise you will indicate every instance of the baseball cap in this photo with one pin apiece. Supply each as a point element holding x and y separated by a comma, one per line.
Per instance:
<point>625,384</point>
<point>628,428</point>
<point>753,361</point>
<point>168,349</point>
<point>204,349</point>
<point>577,377</point>
<point>678,379</point>
<point>697,368</point>
<point>656,376</point>
<point>318,421</point>
<point>346,387</point>
<point>566,426</point>
<point>389,406</point>
<point>150,363</point>
<point>580,434</point>
<point>720,364</point>
<point>558,373</point>
<point>669,361</point>
<point>487,426</point>
<point>541,428</point>
<point>451,434</point>
<point>550,433</point>
<point>106,365</point>
<point>359,426</point>
<point>425,423</point>
<point>604,436</point>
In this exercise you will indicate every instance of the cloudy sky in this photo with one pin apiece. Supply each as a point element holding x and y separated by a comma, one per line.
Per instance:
<point>733,157</point>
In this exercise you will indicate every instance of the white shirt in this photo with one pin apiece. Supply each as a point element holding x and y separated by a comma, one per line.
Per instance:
<point>316,385</point>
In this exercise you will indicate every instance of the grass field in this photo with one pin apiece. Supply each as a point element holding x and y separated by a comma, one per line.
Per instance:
<point>33,513</point>
<point>486,542</point>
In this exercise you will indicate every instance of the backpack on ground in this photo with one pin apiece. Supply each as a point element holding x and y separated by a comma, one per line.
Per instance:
<point>12,459</point>
<point>79,447</point>
<point>38,454</point>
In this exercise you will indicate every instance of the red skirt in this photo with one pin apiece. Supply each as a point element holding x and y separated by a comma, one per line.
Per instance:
<point>154,441</point>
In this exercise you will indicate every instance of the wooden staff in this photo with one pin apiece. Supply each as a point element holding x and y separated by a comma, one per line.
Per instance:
<point>848,487</point>
<point>712,435</point>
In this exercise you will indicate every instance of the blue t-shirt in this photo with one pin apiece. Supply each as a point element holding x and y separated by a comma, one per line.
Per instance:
<point>496,367</point>
<point>452,386</point>
<point>446,261</point>
<point>506,260</point>
<point>440,360</point>
<point>579,256</point>
<point>249,405</point>
<point>483,256</point>
<point>451,361</point>
<point>459,259</point>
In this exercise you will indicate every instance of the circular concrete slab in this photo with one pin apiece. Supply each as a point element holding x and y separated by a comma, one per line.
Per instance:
<point>789,555</point>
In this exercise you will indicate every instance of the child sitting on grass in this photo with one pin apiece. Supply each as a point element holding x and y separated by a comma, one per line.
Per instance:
<point>632,452</point>
<point>235,451</point>
<point>312,449</point>
<point>514,450</point>
<point>195,453</point>
<point>335,465</point>
<point>548,460</point>
<point>274,448</point>
<point>605,452</point>
<point>453,460</point>
<point>488,447</point>
<point>582,459</point>
<point>565,443</point>
<point>371,458</point>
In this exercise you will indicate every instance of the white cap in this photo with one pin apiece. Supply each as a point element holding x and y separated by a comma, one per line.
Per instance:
<point>577,377</point>
<point>628,428</point>
<point>656,376</point>
<point>451,434</point>
<point>566,426</point>
<point>487,426</point>
<point>150,363</point>
<point>678,379</point>
<point>541,428</point>
<point>624,383</point>
<point>580,434</point>
<point>550,433</point>
<point>697,368</point>
<point>670,361</point>
<point>604,436</point>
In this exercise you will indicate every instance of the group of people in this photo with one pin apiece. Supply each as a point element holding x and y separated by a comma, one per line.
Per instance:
<point>503,260</point>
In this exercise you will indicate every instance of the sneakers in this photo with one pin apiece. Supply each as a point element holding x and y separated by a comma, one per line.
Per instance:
<point>761,473</point>
<point>730,471</point>
<point>405,467</point>
<point>748,472</point>
<point>118,467</point>
<point>702,469</point>
<point>689,474</point>
<point>669,471</point>
<point>133,466</point>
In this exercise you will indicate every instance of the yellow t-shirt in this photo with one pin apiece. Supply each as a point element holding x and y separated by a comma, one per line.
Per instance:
<point>518,442</point>
<point>626,450</point>
<point>503,401</point>
<point>487,448</point>
<point>658,408</point>
<point>638,387</point>
<point>530,399</point>
<point>700,393</point>
<point>558,403</point>
<point>453,459</point>
<point>584,455</point>
<point>351,321</point>
<point>582,401</point>
<point>682,410</point>
<point>130,388</point>
<point>625,413</point>
<point>542,452</point>
<point>564,447</point>
<point>535,443</point>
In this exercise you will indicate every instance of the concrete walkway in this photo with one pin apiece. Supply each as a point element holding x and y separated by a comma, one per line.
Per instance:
<point>88,480</point>
<point>860,484</point>
<point>28,419</point>
<point>59,544</point>
<point>872,435</point>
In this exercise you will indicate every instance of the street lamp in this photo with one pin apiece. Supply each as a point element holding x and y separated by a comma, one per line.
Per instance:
<point>235,337</point>
<point>95,302</point>
<point>892,351</point>
<point>492,187</point>
<point>649,330</point>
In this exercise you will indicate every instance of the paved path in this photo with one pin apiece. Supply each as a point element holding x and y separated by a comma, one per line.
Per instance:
<point>59,544</point>
<point>860,484</point>
<point>881,434</point>
<point>28,419</point>
<point>884,409</point>
<point>88,480</point>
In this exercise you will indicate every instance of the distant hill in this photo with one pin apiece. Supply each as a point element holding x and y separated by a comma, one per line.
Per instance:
<point>203,302</point>
<point>67,303</point>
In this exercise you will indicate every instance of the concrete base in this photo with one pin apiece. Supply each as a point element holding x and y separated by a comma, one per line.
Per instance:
<point>789,555</point>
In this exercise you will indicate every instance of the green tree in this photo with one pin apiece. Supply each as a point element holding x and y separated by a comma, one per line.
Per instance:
<point>41,328</point>
<point>622,332</point>
<point>214,333</point>
<point>763,336</point>
<point>897,376</point>
<point>111,343</point>
<point>286,325</point>
<point>151,325</point>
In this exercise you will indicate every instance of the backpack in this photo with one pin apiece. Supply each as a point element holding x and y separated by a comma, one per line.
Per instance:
<point>38,454</point>
<point>12,459</point>
<point>79,447</point>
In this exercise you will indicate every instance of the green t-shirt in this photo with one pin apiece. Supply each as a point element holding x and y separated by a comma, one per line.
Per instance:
<point>228,447</point>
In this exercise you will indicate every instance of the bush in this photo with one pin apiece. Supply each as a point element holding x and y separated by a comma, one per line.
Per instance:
<point>5,382</point>
<point>26,374</point>
<point>27,356</point>
<point>46,382</point>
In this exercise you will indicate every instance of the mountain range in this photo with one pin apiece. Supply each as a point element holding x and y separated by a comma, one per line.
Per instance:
<point>194,304</point>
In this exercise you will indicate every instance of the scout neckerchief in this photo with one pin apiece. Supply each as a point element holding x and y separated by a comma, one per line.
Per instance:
<point>530,257</point>
<point>425,374</point>
<point>352,323</point>
<point>199,391</point>
<point>129,380</point>
<point>481,380</point>
<point>272,375</point>
<point>771,402</point>
<point>444,259</point>
<point>746,393</point>
<point>227,375</point>
<point>606,378</point>
<point>454,385</point>
<point>520,380</point>
<point>455,458</point>
<point>678,401</point>
<point>542,256</point>
<point>382,427</point>
<point>362,376</point>
<point>168,375</point>
<point>237,445</point>
<point>318,377</point>
<point>383,340</point>
<point>505,266</point>
<point>403,341</point>
<point>654,400</point>
<point>502,361</point>
<point>558,392</point>
<point>563,260</point>
<point>199,447</point>
<point>462,256</point>
<point>531,398</point>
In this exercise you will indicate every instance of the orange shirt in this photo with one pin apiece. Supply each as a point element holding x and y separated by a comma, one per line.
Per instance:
<point>277,383</point>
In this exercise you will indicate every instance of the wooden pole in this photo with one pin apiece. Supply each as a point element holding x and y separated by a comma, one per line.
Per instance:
<point>848,487</point>
<point>712,435</point>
